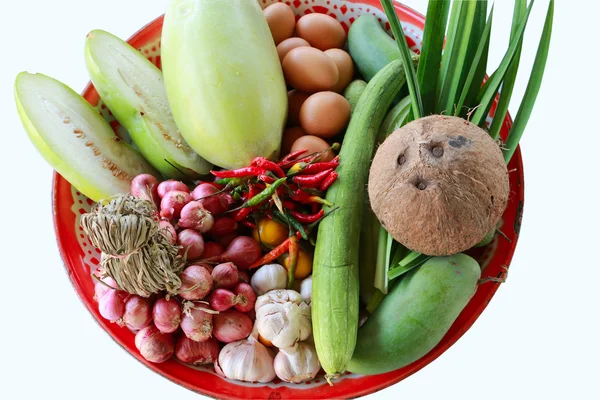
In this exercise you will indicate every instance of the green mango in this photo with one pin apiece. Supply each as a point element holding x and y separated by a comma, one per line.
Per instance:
<point>415,315</point>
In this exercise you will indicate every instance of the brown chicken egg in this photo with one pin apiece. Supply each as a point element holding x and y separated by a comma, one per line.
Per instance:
<point>290,135</point>
<point>289,44</point>
<point>345,66</point>
<point>321,31</point>
<point>295,100</point>
<point>313,144</point>
<point>281,20</point>
<point>310,70</point>
<point>325,114</point>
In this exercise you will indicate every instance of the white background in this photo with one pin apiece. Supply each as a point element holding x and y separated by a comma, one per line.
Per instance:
<point>538,339</point>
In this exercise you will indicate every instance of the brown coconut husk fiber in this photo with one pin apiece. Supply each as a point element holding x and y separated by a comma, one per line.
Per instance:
<point>439,185</point>
<point>136,253</point>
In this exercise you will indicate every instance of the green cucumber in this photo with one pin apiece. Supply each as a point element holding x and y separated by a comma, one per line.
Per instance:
<point>370,46</point>
<point>335,264</point>
<point>133,90</point>
<point>74,139</point>
<point>395,119</point>
<point>415,315</point>
<point>353,92</point>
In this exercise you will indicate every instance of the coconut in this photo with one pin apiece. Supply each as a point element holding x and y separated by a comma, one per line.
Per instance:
<point>439,185</point>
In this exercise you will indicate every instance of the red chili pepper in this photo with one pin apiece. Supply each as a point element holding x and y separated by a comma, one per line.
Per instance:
<point>247,223</point>
<point>312,181</point>
<point>266,179</point>
<point>289,205</point>
<point>294,252</point>
<point>238,173</point>
<point>272,255</point>
<point>328,181</point>
<point>308,159</point>
<point>243,213</point>
<point>281,190</point>
<point>300,196</point>
<point>307,218</point>
<point>291,156</point>
<point>315,207</point>
<point>268,165</point>
<point>320,167</point>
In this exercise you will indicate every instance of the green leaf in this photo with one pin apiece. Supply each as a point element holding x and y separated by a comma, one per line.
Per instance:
<point>399,254</point>
<point>471,99</point>
<point>491,87</point>
<point>457,57</point>
<point>480,23</point>
<point>412,260</point>
<point>475,76</point>
<point>382,263</point>
<point>511,75</point>
<point>477,36</point>
<point>395,119</point>
<point>533,87</point>
<point>431,52</point>
<point>450,42</point>
<point>409,69</point>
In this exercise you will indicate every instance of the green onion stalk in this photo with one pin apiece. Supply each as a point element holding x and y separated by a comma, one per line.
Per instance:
<point>448,80</point>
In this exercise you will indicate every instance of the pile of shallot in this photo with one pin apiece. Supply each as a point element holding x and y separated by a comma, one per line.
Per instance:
<point>215,303</point>
<point>213,316</point>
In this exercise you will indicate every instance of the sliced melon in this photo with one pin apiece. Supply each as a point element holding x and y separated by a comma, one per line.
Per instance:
<point>133,90</point>
<point>74,139</point>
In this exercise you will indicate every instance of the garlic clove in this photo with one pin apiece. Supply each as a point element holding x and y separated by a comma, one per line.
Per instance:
<point>297,364</point>
<point>269,277</point>
<point>279,296</point>
<point>282,318</point>
<point>306,289</point>
<point>246,360</point>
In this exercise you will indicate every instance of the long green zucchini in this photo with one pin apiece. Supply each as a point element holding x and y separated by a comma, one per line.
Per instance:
<point>335,265</point>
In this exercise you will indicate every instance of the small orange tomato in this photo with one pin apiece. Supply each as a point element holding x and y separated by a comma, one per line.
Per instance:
<point>270,233</point>
<point>304,265</point>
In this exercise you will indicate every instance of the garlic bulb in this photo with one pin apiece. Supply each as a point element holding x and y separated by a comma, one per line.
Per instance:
<point>297,364</point>
<point>306,290</point>
<point>269,277</point>
<point>246,360</point>
<point>283,318</point>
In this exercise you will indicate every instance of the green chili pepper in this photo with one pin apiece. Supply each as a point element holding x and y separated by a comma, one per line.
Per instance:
<point>232,182</point>
<point>265,194</point>
<point>293,222</point>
